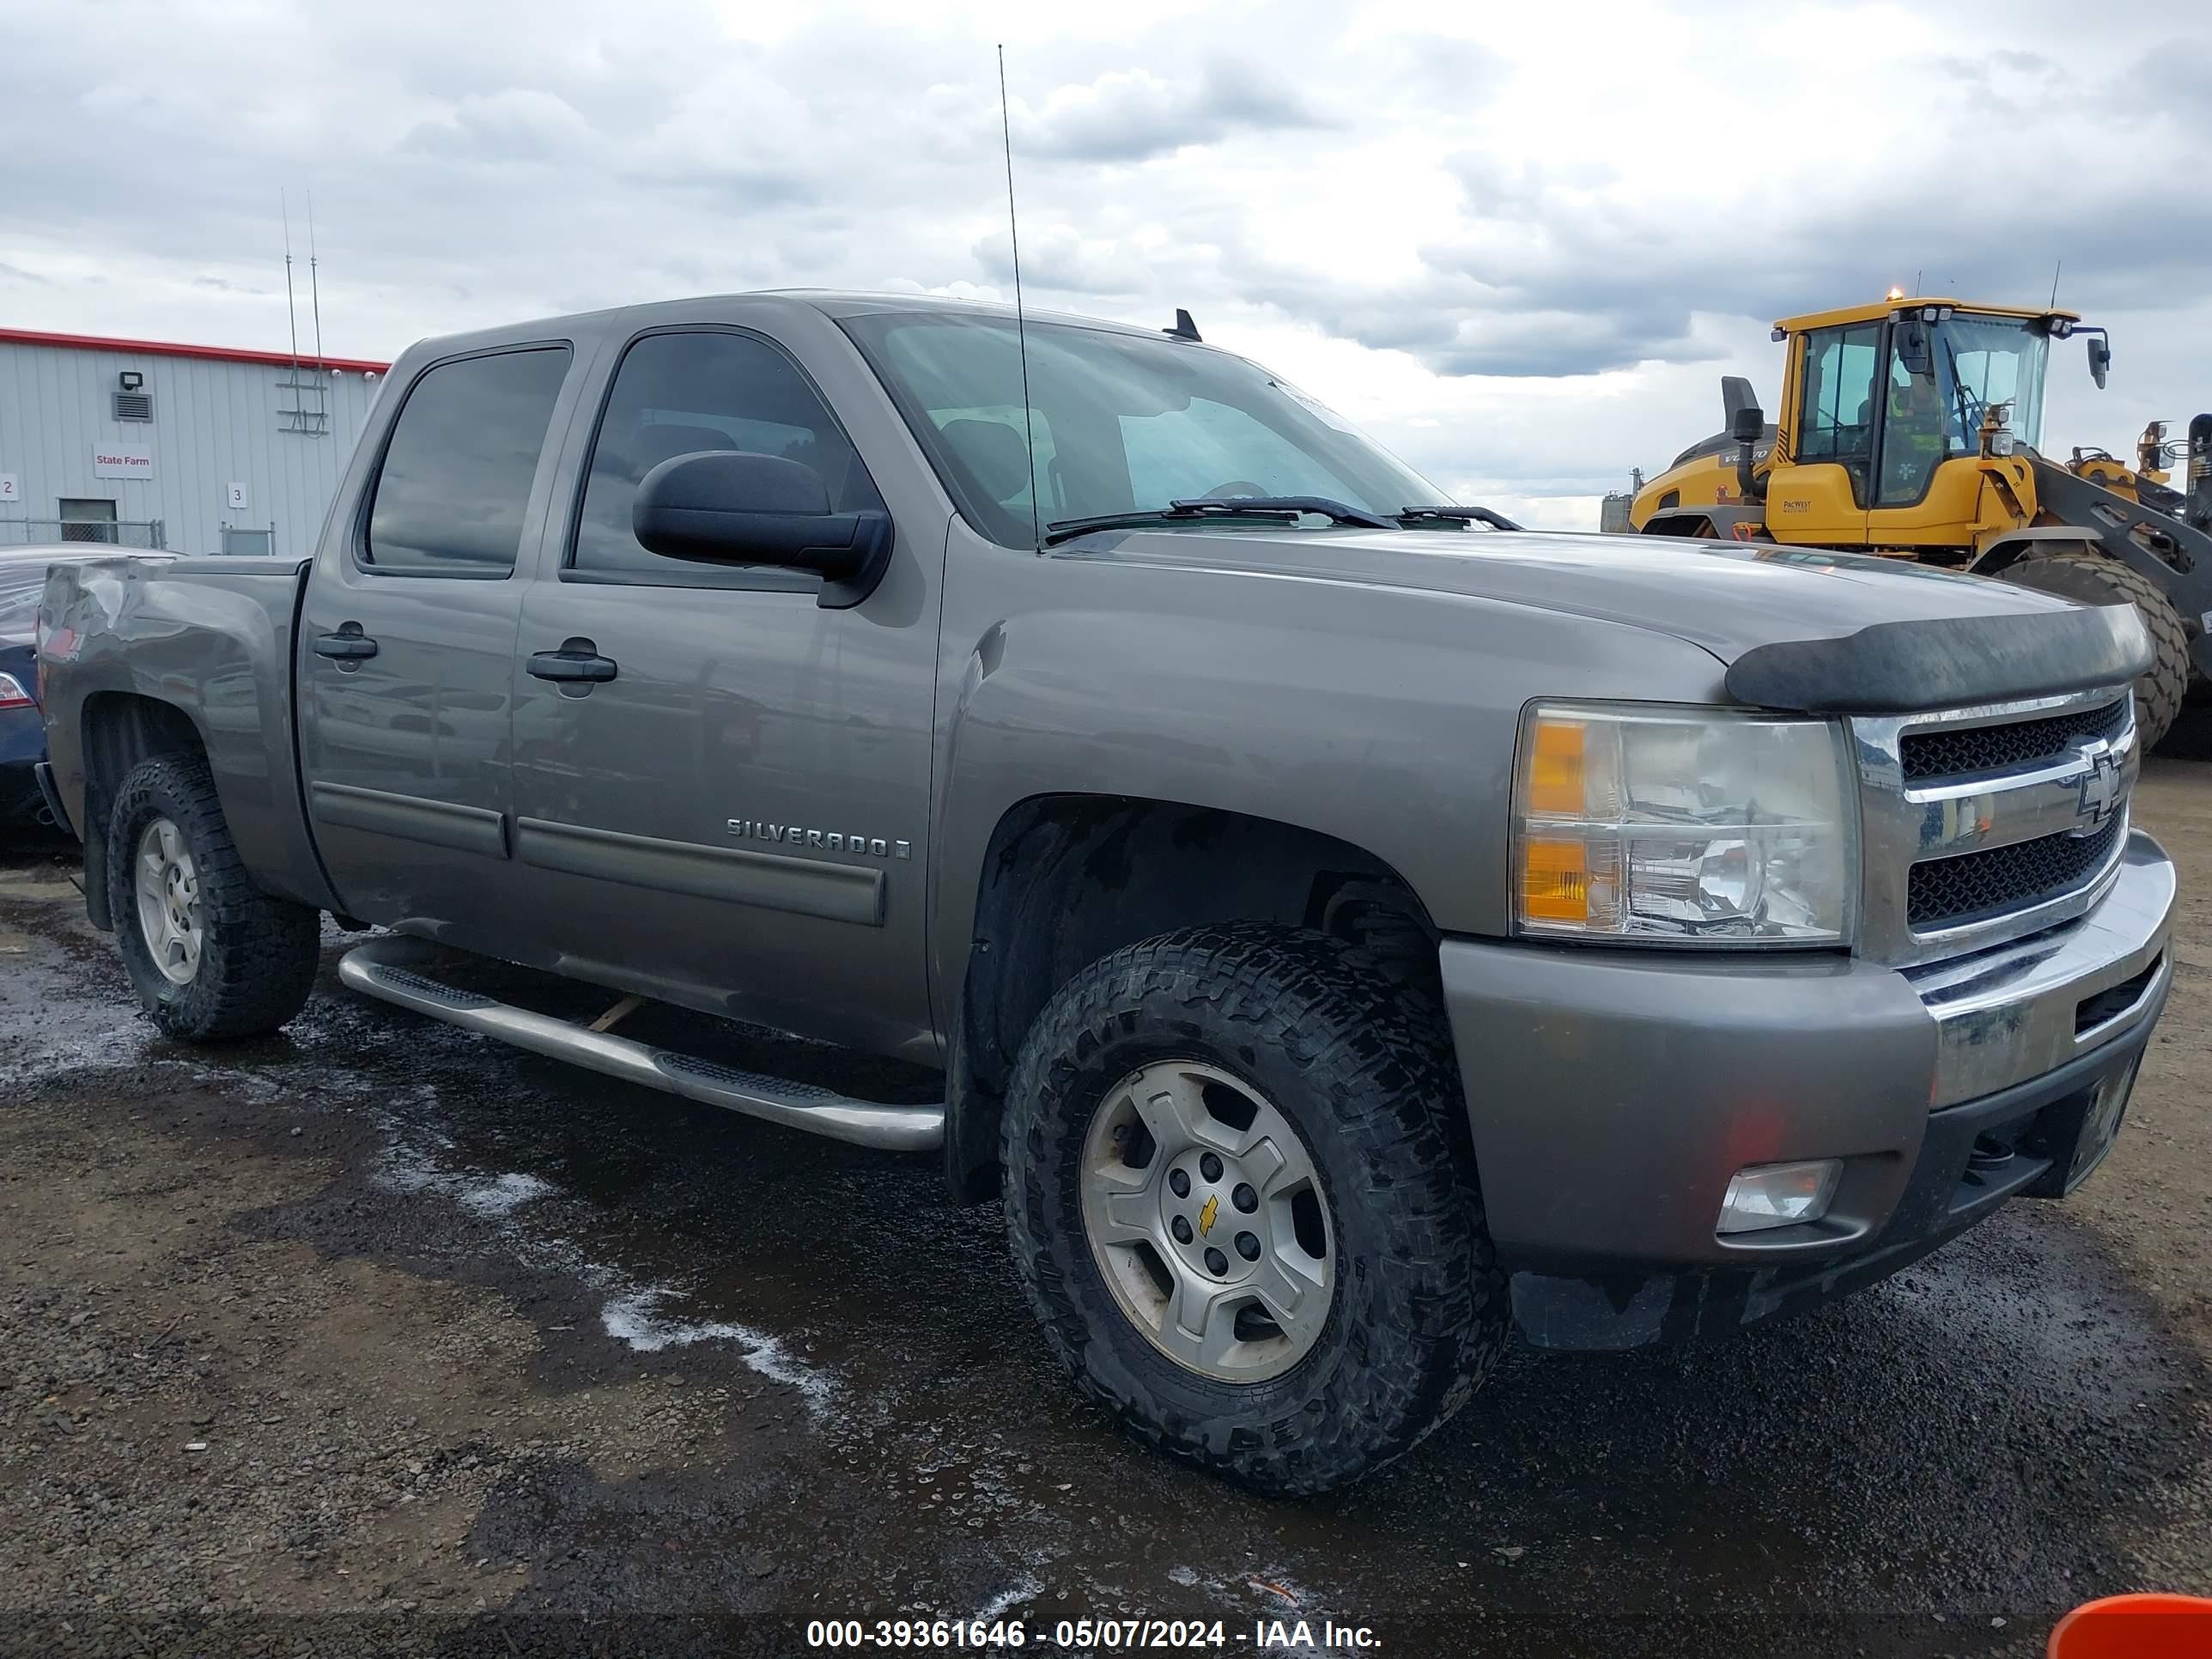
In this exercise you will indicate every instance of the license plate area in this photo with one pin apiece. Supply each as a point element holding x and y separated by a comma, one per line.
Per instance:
<point>2100,1123</point>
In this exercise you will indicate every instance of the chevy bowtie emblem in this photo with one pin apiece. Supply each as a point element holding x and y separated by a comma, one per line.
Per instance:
<point>1206,1216</point>
<point>2101,794</point>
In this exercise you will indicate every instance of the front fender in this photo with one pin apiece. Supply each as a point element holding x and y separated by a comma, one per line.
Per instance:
<point>1381,717</point>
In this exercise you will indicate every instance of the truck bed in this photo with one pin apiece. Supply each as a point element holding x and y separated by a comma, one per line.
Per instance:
<point>206,639</point>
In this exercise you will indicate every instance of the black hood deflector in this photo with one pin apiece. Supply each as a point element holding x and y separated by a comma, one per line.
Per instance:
<point>1903,667</point>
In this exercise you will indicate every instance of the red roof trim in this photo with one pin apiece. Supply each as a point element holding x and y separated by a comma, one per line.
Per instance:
<point>173,348</point>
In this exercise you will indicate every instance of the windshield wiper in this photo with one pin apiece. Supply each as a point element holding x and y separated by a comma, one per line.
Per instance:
<point>1279,509</point>
<point>1456,514</point>
<point>1337,511</point>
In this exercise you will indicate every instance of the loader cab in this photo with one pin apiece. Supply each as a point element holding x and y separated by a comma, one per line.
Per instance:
<point>1880,431</point>
<point>1876,441</point>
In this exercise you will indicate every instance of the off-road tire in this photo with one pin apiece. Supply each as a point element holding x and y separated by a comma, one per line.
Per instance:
<point>2081,573</point>
<point>258,954</point>
<point>1365,1076</point>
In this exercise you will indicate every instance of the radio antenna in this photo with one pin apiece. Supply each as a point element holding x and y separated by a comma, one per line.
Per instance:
<point>1021,323</point>
<point>2055,270</point>
<point>291,311</point>
<point>314,287</point>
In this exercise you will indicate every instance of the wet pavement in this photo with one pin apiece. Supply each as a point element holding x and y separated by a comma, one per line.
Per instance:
<point>788,1381</point>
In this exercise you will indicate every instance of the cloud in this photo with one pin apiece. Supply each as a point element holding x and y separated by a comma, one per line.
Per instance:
<point>1519,248</point>
<point>1133,115</point>
<point>518,125</point>
<point>1578,266</point>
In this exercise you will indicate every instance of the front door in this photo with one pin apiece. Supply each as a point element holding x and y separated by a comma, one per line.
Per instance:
<point>732,815</point>
<point>1820,495</point>
<point>407,650</point>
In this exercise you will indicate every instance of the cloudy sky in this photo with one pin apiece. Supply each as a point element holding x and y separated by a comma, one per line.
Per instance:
<point>1520,244</point>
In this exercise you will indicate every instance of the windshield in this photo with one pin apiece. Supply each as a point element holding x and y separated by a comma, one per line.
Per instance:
<point>1980,361</point>
<point>1120,423</point>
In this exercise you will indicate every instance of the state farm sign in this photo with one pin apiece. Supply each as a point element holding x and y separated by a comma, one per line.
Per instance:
<point>114,460</point>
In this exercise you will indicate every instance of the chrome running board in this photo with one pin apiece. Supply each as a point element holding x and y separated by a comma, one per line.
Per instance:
<point>387,968</point>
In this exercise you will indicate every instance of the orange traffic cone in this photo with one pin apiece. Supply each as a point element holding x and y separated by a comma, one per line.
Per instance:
<point>2135,1627</point>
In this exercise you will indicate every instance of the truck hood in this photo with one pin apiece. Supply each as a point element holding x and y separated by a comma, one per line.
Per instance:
<point>1729,598</point>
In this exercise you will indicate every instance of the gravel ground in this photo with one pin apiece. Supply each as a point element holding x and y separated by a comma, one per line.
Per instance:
<point>375,1338</point>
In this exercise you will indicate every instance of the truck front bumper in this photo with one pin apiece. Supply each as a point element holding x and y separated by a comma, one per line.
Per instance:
<point>1612,1094</point>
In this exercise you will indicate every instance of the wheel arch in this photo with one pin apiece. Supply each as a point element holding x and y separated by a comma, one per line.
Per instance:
<point>121,731</point>
<point>2002,551</point>
<point>1070,878</point>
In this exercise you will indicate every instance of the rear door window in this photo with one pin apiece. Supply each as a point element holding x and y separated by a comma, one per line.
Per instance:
<point>456,477</point>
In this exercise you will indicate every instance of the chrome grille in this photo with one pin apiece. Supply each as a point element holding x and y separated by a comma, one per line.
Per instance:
<point>1983,824</point>
<point>1950,754</point>
<point>1943,892</point>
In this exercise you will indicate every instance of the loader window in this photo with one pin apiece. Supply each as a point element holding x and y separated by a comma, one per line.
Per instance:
<point>1920,432</point>
<point>1992,359</point>
<point>1838,401</point>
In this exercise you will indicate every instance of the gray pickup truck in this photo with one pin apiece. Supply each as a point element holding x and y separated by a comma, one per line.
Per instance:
<point>1349,928</point>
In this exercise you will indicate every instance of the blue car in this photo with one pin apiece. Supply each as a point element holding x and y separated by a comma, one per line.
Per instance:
<point>22,734</point>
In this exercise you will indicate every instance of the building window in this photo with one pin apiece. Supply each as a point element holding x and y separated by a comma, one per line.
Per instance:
<point>247,543</point>
<point>134,405</point>
<point>87,520</point>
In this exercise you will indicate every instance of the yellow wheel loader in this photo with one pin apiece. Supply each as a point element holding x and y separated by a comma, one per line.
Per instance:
<point>1908,428</point>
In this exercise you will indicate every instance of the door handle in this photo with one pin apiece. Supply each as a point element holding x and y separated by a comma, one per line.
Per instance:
<point>349,644</point>
<point>570,665</point>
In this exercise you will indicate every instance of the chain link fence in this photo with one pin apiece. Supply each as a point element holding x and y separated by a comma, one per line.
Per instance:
<point>33,532</point>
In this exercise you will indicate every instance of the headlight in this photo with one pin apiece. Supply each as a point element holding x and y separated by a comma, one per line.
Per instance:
<point>1691,825</point>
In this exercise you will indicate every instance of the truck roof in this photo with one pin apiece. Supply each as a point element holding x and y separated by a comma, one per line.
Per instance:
<point>830,302</point>
<point>835,302</point>
<point>1879,309</point>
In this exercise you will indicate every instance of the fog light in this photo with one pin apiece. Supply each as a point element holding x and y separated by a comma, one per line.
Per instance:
<point>1779,1194</point>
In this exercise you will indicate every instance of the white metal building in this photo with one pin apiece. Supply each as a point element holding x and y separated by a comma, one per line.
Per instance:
<point>196,448</point>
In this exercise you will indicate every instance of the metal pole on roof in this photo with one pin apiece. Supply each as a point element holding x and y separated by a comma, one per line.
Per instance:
<point>291,311</point>
<point>314,289</point>
<point>315,298</point>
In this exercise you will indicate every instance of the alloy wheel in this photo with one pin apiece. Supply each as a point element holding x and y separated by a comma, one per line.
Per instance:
<point>1207,1221</point>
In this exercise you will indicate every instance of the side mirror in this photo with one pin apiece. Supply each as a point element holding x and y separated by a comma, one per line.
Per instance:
<point>2101,360</point>
<point>729,506</point>
<point>1735,393</point>
<point>1913,349</point>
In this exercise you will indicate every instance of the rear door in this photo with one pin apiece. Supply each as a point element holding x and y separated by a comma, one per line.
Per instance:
<point>407,647</point>
<point>735,816</point>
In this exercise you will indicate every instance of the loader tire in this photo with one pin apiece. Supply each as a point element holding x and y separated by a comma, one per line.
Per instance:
<point>2083,574</point>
